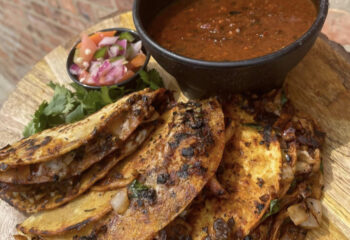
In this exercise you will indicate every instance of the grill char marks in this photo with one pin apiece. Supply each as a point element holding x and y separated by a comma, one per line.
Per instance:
<point>177,161</point>
<point>136,109</point>
<point>195,132</point>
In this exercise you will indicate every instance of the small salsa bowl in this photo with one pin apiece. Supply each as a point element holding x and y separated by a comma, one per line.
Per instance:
<point>198,78</point>
<point>129,83</point>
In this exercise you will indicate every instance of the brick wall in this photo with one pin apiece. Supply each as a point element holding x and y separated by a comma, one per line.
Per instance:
<point>29,29</point>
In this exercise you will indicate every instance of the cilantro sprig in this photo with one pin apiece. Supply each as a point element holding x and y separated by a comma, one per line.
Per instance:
<point>274,208</point>
<point>136,189</point>
<point>68,106</point>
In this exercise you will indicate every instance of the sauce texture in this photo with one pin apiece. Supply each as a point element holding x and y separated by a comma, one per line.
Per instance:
<point>231,30</point>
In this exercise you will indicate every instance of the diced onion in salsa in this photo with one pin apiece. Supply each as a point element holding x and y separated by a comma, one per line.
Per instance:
<point>106,58</point>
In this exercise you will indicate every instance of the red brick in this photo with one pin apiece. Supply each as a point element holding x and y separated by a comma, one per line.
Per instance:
<point>106,3</point>
<point>31,28</point>
<point>9,73</point>
<point>101,13</point>
<point>53,3</point>
<point>12,12</point>
<point>62,32</point>
<point>36,25</point>
<point>54,41</point>
<point>27,54</point>
<point>3,54</point>
<point>45,28</point>
<point>39,8</point>
<point>28,42</point>
<point>69,5</point>
<point>124,5</point>
<point>13,26</point>
<point>46,47</point>
<point>65,19</point>
<point>86,11</point>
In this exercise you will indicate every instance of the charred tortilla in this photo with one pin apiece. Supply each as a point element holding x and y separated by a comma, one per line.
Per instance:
<point>88,232</point>
<point>118,119</point>
<point>38,197</point>
<point>250,174</point>
<point>301,181</point>
<point>174,164</point>
<point>73,216</point>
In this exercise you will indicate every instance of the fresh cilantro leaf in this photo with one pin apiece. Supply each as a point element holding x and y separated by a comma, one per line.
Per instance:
<point>274,208</point>
<point>80,92</point>
<point>105,95</point>
<point>52,121</point>
<point>93,102</point>
<point>71,104</point>
<point>136,188</point>
<point>58,102</point>
<point>118,92</point>
<point>37,123</point>
<point>151,78</point>
<point>67,106</point>
<point>52,85</point>
<point>30,129</point>
<point>140,84</point>
<point>155,78</point>
<point>76,115</point>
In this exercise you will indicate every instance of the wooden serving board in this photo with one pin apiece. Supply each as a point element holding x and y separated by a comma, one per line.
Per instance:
<point>319,85</point>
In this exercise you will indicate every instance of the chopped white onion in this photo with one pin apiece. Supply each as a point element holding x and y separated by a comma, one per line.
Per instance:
<point>75,69</point>
<point>124,44</point>
<point>113,51</point>
<point>107,41</point>
<point>133,50</point>
<point>315,208</point>
<point>297,213</point>
<point>304,156</point>
<point>120,202</point>
<point>310,223</point>
<point>302,168</point>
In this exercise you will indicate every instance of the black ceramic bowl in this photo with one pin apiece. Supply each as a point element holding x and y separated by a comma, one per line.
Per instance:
<point>203,78</point>
<point>131,82</point>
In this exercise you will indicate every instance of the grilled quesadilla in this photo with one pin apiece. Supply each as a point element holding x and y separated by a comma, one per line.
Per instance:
<point>172,167</point>
<point>231,206</point>
<point>250,176</point>
<point>37,197</point>
<point>68,150</point>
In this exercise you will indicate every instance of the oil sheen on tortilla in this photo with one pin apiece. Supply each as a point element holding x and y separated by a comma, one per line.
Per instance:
<point>113,125</point>
<point>174,163</point>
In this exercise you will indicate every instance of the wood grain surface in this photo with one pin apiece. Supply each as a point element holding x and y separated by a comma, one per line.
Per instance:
<point>319,86</point>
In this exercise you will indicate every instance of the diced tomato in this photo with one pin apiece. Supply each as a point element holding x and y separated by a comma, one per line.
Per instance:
<point>108,34</point>
<point>137,62</point>
<point>84,76</point>
<point>102,81</point>
<point>97,37</point>
<point>126,76</point>
<point>87,49</point>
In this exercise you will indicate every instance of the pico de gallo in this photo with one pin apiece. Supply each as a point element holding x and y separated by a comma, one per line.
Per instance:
<point>107,58</point>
